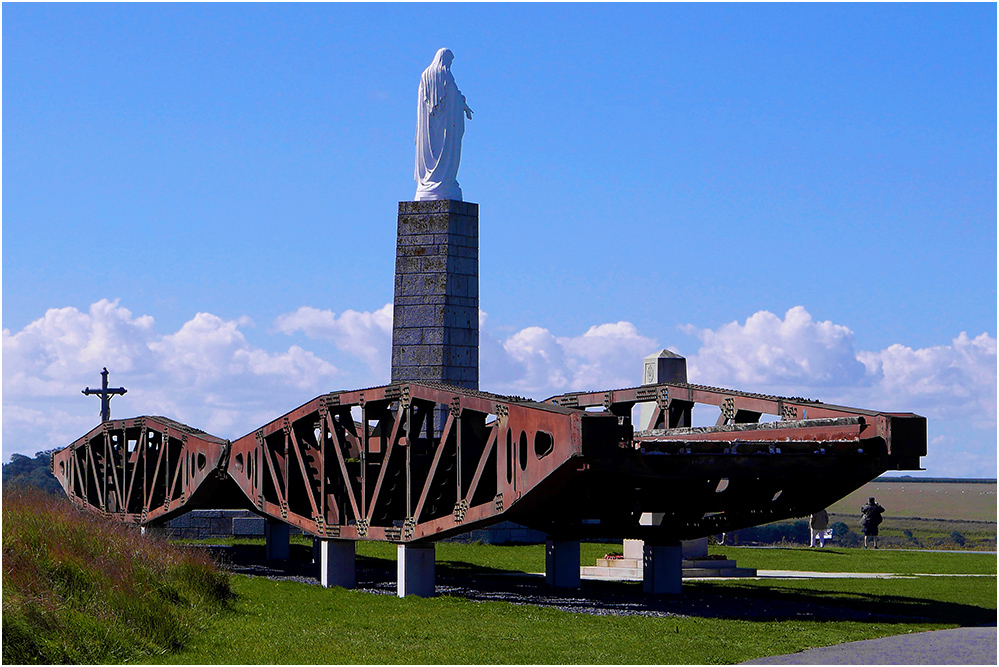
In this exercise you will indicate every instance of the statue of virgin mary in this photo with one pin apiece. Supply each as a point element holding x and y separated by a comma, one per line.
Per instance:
<point>440,124</point>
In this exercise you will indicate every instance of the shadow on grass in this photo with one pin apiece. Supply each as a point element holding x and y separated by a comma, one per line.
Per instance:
<point>731,600</point>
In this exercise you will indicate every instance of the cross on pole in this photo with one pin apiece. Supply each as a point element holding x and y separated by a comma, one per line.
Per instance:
<point>105,395</point>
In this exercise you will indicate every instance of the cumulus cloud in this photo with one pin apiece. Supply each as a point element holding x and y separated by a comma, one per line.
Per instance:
<point>206,374</point>
<point>53,354</point>
<point>790,353</point>
<point>535,362</point>
<point>797,355</point>
<point>366,335</point>
<point>953,386</point>
<point>956,381</point>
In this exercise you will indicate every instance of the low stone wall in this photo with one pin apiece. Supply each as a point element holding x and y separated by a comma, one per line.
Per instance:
<point>506,532</point>
<point>207,524</point>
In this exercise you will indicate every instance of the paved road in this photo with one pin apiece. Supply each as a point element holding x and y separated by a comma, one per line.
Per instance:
<point>961,646</point>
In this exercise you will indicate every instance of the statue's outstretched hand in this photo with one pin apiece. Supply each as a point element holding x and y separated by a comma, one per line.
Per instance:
<point>468,113</point>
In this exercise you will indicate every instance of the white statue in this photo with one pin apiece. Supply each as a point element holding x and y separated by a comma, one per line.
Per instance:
<point>440,124</point>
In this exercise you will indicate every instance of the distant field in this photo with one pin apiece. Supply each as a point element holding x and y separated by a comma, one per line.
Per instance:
<point>962,501</point>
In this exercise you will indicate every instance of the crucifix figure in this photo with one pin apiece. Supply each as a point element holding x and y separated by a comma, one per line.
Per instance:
<point>105,395</point>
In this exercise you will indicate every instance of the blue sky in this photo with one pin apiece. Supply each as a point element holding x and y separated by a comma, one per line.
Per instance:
<point>799,198</point>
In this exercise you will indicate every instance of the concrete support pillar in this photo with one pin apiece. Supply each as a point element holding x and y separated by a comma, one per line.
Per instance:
<point>662,569</point>
<point>416,572</point>
<point>562,563</point>
<point>278,537</point>
<point>337,563</point>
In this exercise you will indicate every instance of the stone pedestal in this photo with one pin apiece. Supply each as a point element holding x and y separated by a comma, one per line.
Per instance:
<point>435,331</point>
<point>662,569</point>
<point>337,563</point>
<point>278,540</point>
<point>415,570</point>
<point>562,563</point>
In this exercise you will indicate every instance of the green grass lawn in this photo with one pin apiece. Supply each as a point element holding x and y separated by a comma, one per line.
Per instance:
<point>286,622</point>
<point>893,561</point>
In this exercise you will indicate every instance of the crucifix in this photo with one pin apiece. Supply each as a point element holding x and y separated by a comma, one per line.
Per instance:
<point>105,395</point>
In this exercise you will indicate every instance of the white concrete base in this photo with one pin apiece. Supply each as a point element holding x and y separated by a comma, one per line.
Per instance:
<point>662,569</point>
<point>278,537</point>
<point>337,563</point>
<point>416,570</point>
<point>562,563</point>
<point>633,549</point>
<point>691,548</point>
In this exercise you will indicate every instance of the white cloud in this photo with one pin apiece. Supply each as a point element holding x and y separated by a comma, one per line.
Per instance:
<point>50,356</point>
<point>208,375</point>
<point>953,386</point>
<point>205,374</point>
<point>797,355</point>
<point>788,355</point>
<point>956,381</point>
<point>535,362</point>
<point>366,335</point>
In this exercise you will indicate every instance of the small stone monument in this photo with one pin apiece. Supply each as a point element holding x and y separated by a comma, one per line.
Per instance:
<point>661,567</point>
<point>662,366</point>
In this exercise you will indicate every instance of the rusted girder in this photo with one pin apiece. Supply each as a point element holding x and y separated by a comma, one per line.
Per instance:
<point>143,470</point>
<point>371,464</point>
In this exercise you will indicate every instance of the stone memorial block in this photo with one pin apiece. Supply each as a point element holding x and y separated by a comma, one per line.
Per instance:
<point>435,331</point>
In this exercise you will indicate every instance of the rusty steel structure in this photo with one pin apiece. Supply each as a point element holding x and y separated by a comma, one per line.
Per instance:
<point>416,462</point>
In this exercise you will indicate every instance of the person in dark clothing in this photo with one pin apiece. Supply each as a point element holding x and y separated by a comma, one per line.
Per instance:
<point>870,519</point>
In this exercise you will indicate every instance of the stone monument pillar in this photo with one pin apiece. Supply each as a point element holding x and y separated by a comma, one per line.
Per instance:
<point>662,569</point>
<point>435,329</point>
<point>663,366</point>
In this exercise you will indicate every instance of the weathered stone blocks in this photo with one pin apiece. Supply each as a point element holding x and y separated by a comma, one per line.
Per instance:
<point>436,308</point>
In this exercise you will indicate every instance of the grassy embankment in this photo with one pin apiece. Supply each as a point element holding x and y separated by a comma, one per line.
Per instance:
<point>80,589</point>
<point>716,622</point>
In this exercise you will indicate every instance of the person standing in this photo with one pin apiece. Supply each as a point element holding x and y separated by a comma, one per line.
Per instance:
<point>817,524</point>
<point>870,519</point>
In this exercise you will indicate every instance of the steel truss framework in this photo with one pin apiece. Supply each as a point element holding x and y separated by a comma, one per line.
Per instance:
<point>412,462</point>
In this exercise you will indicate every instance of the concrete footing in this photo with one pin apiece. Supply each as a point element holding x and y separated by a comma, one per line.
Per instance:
<point>562,563</point>
<point>337,563</point>
<point>662,569</point>
<point>278,537</point>
<point>416,572</point>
